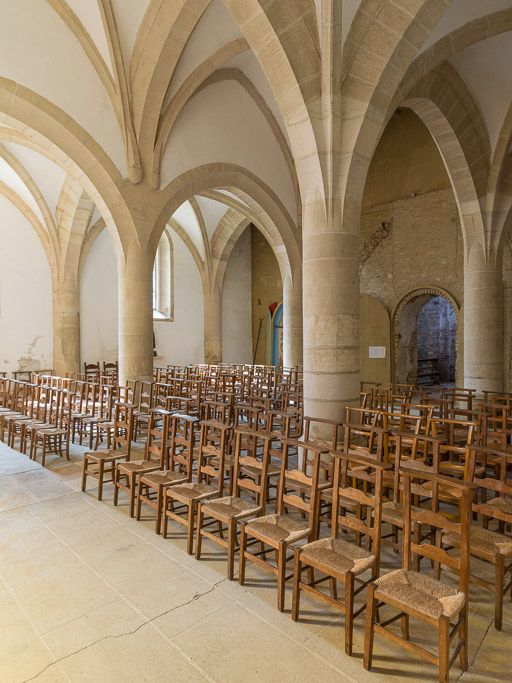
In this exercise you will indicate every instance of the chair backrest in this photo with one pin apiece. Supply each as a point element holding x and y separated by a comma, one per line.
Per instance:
<point>219,411</point>
<point>182,443</point>
<point>497,489</point>
<point>123,427</point>
<point>145,397</point>
<point>330,431</point>
<point>362,511</point>
<point>214,445</point>
<point>365,432</point>
<point>456,432</point>
<point>258,459</point>
<point>299,488</point>
<point>178,404</point>
<point>158,434</point>
<point>92,370</point>
<point>422,546</point>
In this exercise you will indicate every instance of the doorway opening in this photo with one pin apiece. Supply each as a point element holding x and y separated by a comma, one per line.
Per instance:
<point>426,339</point>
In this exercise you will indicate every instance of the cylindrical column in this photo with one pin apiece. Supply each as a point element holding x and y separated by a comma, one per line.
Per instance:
<point>66,327</point>
<point>213,326</point>
<point>331,313</point>
<point>292,320</point>
<point>483,322</point>
<point>135,317</point>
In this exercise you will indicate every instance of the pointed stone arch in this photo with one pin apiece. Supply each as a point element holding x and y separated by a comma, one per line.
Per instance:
<point>429,291</point>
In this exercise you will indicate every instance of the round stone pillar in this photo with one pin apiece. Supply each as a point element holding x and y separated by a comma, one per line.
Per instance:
<point>135,317</point>
<point>66,327</point>
<point>292,321</point>
<point>483,322</point>
<point>213,326</point>
<point>331,313</point>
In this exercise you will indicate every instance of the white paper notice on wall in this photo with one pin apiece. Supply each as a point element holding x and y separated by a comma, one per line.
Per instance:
<point>376,352</point>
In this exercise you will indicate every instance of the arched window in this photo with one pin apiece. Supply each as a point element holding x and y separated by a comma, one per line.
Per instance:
<point>163,280</point>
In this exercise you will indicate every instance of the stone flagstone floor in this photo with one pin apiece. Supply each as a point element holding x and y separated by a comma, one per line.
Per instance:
<point>88,594</point>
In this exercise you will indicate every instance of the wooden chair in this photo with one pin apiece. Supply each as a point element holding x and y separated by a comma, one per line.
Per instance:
<point>54,438</point>
<point>178,470</point>
<point>92,371</point>
<point>414,594</point>
<point>155,458</point>
<point>99,464</point>
<point>494,546</point>
<point>298,491</point>
<point>343,560</point>
<point>250,476</point>
<point>102,414</point>
<point>213,448</point>
<point>111,369</point>
<point>141,414</point>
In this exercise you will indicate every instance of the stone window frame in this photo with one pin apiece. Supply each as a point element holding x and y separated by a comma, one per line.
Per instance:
<point>163,280</point>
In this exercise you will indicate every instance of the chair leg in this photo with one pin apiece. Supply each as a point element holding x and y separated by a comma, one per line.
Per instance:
<point>369,628</point>
<point>43,455</point>
<point>190,531</point>
<point>498,588</point>
<point>297,574</point>
<point>231,548</point>
<point>101,471</point>
<point>159,507</point>
<point>84,472</point>
<point>463,637</point>
<point>139,501</point>
<point>132,478</point>
<point>164,518</point>
<point>349,612</point>
<point>444,650</point>
<point>115,477</point>
<point>281,575</point>
<point>404,626</point>
<point>243,545</point>
<point>199,536</point>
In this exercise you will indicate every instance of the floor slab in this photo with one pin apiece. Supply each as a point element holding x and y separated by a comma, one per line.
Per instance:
<point>89,594</point>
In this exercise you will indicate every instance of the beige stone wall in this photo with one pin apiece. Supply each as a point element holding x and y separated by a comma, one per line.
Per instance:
<point>267,288</point>
<point>424,248</point>
<point>407,187</point>
<point>507,312</point>
<point>375,331</point>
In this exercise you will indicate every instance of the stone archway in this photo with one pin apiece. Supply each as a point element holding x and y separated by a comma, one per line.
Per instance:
<point>411,304</point>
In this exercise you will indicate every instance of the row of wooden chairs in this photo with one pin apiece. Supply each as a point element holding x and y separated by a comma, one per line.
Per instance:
<point>251,472</point>
<point>376,477</point>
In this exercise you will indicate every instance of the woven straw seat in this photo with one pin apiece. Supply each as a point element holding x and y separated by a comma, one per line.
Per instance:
<point>109,454</point>
<point>502,503</point>
<point>280,528</point>
<point>327,495</point>
<point>136,465</point>
<point>164,477</point>
<point>193,490</point>
<point>254,471</point>
<point>422,593</point>
<point>484,543</point>
<point>230,506</point>
<point>341,556</point>
<point>393,512</point>
<point>322,444</point>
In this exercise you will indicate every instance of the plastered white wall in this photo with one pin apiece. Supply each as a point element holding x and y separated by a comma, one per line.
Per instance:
<point>26,308</point>
<point>180,341</point>
<point>236,304</point>
<point>50,58</point>
<point>223,124</point>
<point>98,303</point>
